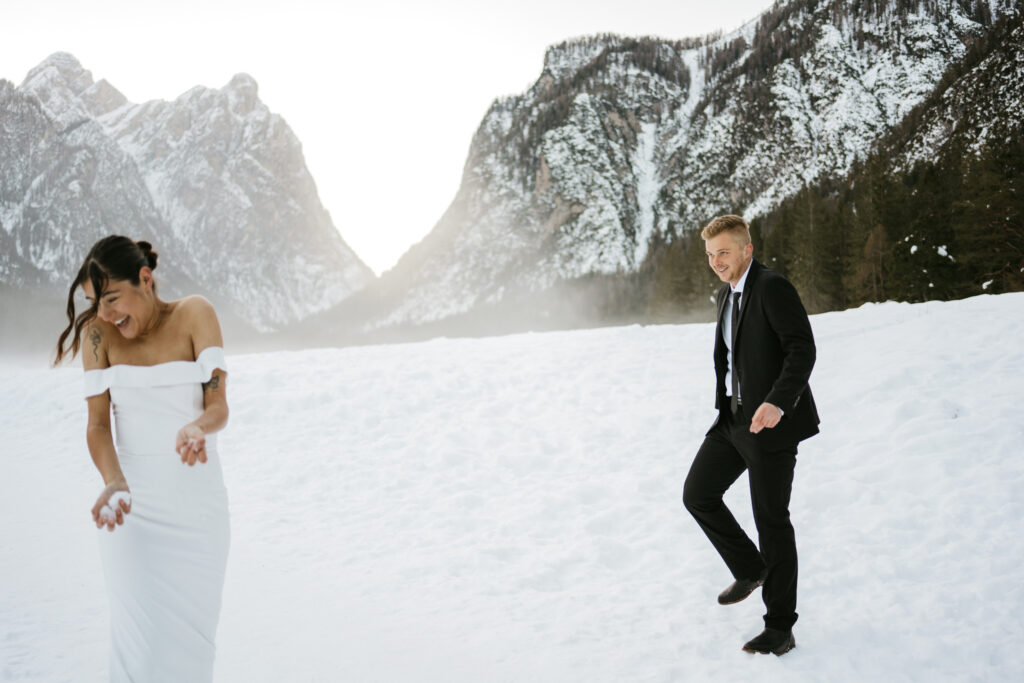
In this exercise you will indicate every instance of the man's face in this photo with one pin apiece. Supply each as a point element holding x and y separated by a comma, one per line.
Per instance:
<point>727,257</point>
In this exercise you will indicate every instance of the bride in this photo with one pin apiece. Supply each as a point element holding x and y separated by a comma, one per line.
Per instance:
<point>160,366</point>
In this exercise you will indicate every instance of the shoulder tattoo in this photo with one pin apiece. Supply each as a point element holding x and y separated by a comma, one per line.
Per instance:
<point>95,337</point>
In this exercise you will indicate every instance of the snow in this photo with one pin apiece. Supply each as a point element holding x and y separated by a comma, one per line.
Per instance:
<point>573,54</point>
<point>648,185</point>
<point>508,509</point>
<point>107,511</point>
<point>691,58</point>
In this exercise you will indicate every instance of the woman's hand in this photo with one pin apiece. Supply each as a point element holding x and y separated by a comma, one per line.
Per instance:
<point>191,444</point>
<point>114,503</point>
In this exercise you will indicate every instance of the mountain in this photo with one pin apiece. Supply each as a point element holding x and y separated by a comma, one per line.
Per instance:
<point>213,179</point>
<point>976,104</point>
<point>625,144</point>
<point>935,211</point>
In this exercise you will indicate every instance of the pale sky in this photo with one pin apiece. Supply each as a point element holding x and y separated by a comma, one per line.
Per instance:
<point>385,96</point>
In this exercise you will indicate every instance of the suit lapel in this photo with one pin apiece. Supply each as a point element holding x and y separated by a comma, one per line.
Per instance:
<point>746,297</point>
<point>723,296</point>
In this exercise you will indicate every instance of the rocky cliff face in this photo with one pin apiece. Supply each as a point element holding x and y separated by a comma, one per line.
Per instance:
<point>977,105</point>
<point>624,141</point>
<point>213,179</point>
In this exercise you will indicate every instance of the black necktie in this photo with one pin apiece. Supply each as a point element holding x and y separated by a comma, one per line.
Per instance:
<point>735,374</point>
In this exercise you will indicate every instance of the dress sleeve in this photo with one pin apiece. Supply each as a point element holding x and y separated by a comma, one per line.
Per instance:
<point>211,358</point>
<point>95,382</point>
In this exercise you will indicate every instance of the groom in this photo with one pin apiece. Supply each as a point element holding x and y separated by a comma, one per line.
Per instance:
<point>764,352</point>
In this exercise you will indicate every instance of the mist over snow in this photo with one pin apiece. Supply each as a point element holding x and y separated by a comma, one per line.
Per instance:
<point>508,509</point>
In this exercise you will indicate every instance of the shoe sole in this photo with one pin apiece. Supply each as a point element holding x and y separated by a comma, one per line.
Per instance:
<point>777,652</point>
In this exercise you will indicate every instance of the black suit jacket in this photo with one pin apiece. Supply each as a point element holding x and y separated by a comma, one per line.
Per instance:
<point>774,356</point>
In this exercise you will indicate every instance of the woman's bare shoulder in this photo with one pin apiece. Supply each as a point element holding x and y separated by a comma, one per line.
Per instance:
<point>194,304</point>
<point>98,337</point>
<point>193,310</point>
<point>197,316</point>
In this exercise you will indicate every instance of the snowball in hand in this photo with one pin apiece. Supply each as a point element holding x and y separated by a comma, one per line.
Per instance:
<point>107,513</point>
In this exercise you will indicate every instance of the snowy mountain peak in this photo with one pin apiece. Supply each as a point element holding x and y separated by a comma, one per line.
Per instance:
<point>242,92</point>
<point>60,69</point>
<point>574,53</point>
<point>213,179</point>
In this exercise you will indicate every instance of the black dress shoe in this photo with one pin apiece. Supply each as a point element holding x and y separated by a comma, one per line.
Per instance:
<point>740,589</point>
<point>772,640</point>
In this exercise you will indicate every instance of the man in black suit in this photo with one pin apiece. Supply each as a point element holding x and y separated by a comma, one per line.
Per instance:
<point>764,352</point>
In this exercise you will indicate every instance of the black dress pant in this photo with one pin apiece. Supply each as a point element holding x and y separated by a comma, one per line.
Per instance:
<point>728,450</point>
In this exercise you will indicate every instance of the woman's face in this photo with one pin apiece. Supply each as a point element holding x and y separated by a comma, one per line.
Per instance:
<point>127,307</point>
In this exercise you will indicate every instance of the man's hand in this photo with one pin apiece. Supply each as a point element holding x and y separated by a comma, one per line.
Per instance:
<point>767,415</point>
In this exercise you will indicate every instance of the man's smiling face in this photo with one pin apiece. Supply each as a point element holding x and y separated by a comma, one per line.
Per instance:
<point>727,257</point>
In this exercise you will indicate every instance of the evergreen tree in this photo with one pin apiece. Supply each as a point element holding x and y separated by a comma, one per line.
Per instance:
<point>989,222</point>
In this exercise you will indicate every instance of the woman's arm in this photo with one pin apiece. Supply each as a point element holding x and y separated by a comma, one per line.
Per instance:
<point>205,332</point>
<point>98,436</point>
<point>101,442</point>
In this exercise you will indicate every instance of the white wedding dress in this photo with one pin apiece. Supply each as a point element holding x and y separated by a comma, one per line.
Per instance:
<point>165,565</point>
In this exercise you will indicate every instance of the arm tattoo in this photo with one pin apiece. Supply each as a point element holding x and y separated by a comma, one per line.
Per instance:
<point>213,384</point>
<point>95,336</point>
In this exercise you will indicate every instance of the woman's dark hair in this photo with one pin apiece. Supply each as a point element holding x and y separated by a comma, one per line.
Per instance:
<point>112,258</point>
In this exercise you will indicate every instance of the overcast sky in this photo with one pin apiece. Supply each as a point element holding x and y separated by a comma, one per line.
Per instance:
<point>385,96</point>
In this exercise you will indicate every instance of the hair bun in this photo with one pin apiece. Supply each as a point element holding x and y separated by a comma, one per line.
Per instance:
<point>147,251</point>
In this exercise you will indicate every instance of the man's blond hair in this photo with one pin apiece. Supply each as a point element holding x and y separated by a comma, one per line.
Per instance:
<point>731,224</point>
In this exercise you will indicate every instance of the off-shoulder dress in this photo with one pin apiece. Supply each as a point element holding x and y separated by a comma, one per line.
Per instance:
<point>164,566</point>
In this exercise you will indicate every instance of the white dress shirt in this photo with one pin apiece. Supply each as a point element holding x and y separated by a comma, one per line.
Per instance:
<point>727,325</point>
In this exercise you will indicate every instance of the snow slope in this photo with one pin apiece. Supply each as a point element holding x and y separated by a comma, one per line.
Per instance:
<point>508,509</point>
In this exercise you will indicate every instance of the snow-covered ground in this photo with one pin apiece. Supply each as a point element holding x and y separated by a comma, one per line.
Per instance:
<point>508,509</point>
